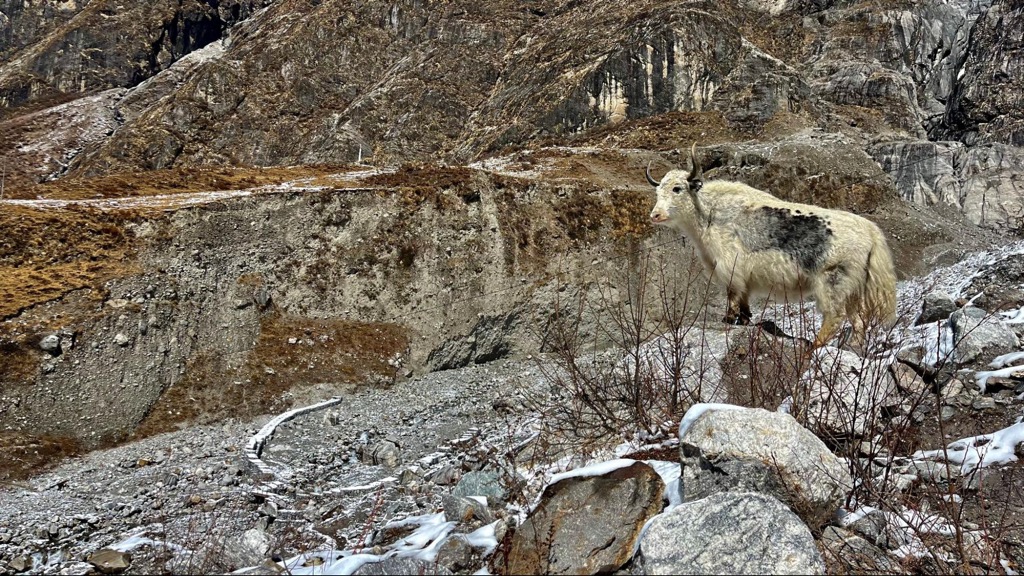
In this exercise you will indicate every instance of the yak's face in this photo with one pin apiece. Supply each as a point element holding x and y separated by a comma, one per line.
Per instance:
<point>673,197</point>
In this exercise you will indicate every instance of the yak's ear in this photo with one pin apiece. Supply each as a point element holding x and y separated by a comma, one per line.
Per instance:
<point>696,173</point>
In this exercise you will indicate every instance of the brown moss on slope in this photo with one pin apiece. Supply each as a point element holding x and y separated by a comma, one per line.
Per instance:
<point>45,254</point>
<point>22,455</point>
<point>292,353</point>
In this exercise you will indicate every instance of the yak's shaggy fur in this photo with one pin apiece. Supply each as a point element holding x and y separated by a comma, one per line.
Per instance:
<point>754,243</point>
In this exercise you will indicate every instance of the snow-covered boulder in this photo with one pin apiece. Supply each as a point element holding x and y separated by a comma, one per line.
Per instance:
<point>753,450</point>
<point>587,524</point>
<point>846,393</point>
<point>976,331</point>
<point>730,533</point>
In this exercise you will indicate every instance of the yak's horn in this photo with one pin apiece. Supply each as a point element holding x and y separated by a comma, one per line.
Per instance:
<point>648,174</point>
<point>696,173</point>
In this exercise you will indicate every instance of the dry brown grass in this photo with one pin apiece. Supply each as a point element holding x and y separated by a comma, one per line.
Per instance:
<point>18,363</point>
<point>670,131</point>
<point>22,455</point>
<point>326,350</point>
<point>175,181</point>
<point>47,253</point>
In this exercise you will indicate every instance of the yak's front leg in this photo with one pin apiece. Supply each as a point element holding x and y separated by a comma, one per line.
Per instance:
<point>829,328</point>
<point>738,311</point>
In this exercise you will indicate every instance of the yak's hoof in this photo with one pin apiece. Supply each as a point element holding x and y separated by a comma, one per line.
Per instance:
<point>736,320</point>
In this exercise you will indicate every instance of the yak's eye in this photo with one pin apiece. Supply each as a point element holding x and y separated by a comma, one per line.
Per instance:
<point>677,189</point>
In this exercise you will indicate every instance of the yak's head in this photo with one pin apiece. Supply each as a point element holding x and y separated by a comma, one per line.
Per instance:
<point>677,191</point>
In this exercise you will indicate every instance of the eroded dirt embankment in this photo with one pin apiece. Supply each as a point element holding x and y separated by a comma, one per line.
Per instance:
<point>245,304</point>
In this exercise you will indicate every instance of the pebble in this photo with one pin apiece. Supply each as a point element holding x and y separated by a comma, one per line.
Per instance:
<point>983,403</point>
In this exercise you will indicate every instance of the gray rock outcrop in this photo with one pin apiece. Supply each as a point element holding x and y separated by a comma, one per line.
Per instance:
<point>977,332</point>
<point>753,450</point>
<point>730,533</point>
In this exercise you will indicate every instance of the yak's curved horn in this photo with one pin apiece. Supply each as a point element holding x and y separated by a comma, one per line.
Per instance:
<point>696,173</point>
<point>648,174</point>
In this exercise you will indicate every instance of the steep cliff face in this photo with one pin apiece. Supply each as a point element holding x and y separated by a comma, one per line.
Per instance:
<point>58,50</point>
<point>294,82</point>
<point>985,105</point>
<point>329,81</point>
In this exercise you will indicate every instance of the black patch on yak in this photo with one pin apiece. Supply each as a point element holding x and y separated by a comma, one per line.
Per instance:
<point>804,238</point>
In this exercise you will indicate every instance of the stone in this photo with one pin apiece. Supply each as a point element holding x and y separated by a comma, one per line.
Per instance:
<point>51,344</point>
<point>246,549</point>
<point>110,561</point>
<point>730,533</point>
<point>587,525</point>
<point>481,483</point>
<point>446,476</point>
<point>699,372</point>
<point>935,306</point>
<point>395,565</point>
<point>463,509</point>
<point>753,450</point>
<point>874,526</point>
<point>20,563</point>
<point>983,403</point>
<point>910,382</point>
<point>121,340</point>
<point>456,554</point>
<point>490,339</point>
<point>848,553</point>
<point>383,453</point>
<point>977,333</point>
<point>846,393</point>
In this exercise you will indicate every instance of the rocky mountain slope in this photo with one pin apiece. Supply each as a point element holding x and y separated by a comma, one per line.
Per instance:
<point>217,210</point>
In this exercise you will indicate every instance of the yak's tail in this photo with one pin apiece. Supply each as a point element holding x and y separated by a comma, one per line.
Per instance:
<point>879,298</point>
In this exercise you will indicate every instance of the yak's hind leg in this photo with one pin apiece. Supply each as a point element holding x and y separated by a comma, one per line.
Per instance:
<point>738,311</point>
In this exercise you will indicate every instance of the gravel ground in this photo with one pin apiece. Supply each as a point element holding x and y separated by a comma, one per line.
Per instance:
<point>346,469</point>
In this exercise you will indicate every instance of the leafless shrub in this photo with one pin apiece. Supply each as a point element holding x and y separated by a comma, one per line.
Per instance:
<point>629,355</point>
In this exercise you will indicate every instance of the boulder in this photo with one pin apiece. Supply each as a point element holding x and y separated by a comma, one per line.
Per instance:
<point>587,524</point>
<point>848,553</point>
<point>977,332</point>
<point>730,533</point>
<point>692,357</point>
<point>110,561</point>
<point>936,306</point>
<point>463,509</point>
<point>753,450</point>
<point>383,453</point>
<point>481,483</point>
<point>51,344</point>
<point>396,565</point>
<point>846,393</point>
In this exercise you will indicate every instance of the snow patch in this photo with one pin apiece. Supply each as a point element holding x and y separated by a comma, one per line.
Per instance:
<point>422,544</point>
<point>598,469</point>
<point>484,538</point>
<point>698,410</point>
<point>977,452</point>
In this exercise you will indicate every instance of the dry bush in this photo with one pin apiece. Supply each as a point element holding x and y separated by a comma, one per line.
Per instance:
<point>636,386</point>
